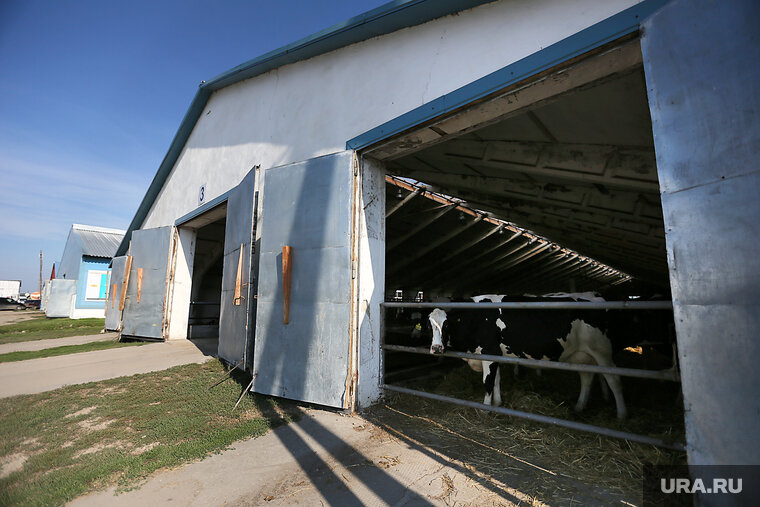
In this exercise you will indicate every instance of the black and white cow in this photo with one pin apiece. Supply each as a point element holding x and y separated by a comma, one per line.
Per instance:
<point>557,335</point>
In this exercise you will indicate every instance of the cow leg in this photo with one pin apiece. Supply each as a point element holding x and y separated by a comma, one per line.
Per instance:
<point>614,382</point>
<point>605,388</point>
<point>586,379</point>
<point>490,375</point>
<point>617,390</point>
<point>497,386</point>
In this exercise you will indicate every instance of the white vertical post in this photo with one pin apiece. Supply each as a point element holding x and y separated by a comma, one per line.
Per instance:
<point>183,284</point>
<point>371,275</point>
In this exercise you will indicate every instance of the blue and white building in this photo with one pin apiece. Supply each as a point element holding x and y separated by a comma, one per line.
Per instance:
<point>80,288</point>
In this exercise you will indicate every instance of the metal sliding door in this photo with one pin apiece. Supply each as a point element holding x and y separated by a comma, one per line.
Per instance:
<point>113,303</point>
<point>238,303</point>
<point>146,304</point>
<point>307,206</point>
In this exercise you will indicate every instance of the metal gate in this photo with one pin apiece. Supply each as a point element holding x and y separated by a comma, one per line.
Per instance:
<point>114,302</point>
<point>307,206</point>
<point>238,303</point>
<point>671,375</point>
<point>145,306</point>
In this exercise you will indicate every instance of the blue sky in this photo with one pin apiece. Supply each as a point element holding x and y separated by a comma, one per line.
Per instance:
<point>93,92</point>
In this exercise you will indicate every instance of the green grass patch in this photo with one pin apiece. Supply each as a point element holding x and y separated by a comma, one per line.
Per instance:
<point>43,329</point>
<point>23,355</point>
<point>61,444</point>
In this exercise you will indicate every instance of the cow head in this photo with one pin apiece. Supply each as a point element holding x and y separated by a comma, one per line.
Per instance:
<point>437,320</point>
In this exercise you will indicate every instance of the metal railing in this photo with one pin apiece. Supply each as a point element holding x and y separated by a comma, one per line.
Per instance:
<point>543,305</point>
<point>667,375</point>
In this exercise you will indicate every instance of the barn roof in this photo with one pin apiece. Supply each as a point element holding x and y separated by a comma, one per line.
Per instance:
<point>388,18</point>
<point>98,241</point>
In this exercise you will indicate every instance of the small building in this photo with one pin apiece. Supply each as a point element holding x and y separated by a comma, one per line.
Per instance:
<point>81,284</point>
<point>626,130</point>
<point>10,289</point>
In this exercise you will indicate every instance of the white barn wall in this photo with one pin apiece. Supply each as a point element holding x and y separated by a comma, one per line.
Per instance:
<point>311,108</point>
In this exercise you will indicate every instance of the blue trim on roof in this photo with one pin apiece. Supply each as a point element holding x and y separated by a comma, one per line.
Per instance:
<point>612,28</point>
<point>213,203</point>
<point>382,20</point>
<point>385,19</point>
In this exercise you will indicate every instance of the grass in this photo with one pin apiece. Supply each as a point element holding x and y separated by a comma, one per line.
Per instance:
<point>77,439</point>
<point>43,329</point>
<point>23,355</point>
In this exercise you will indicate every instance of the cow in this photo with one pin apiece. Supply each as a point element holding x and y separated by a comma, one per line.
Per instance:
<point>557,335</point>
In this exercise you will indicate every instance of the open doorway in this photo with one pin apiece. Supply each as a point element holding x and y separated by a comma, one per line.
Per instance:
<point>549,188</point>
<point>206,292</point>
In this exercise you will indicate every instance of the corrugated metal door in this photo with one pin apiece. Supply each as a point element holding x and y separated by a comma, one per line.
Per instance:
<point>113,302</point>
<point>307,206</point>
<point>153,252</point>
<point>237,301</point>
<point>702,67</point>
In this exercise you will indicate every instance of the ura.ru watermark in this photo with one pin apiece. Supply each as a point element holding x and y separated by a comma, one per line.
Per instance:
<point>706,485</point>
<point>717,485</point>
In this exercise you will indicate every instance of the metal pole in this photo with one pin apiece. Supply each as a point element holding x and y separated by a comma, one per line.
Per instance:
<point>633,437</point>
<point>548,365</point>
<point>40,275</point>
<point>543,305</point>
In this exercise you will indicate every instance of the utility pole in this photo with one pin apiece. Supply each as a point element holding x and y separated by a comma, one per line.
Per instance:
<point>40,275</point>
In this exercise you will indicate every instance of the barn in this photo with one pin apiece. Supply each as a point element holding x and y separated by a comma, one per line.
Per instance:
<point>79,290</point>
<point>429,149</point>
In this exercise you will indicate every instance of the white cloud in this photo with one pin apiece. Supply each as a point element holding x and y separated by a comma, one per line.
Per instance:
<point>42,201</point>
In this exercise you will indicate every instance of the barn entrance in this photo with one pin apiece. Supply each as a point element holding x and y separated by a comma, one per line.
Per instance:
<point>548,186</point>
<point>206,293</point>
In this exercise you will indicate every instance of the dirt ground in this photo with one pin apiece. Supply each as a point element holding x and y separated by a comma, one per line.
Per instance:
<point>16,316</point>
<point>388,455</point>
<point>329,458</point>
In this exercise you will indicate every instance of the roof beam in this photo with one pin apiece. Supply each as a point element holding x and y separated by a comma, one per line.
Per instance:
<point>406,199</point>
<point>431,246</point>
<point>506,265</point>
<point>472,260</point>
<point>557,174</point>
<point>485,187</point>
<point>422,275</point>
<point>422,225</point>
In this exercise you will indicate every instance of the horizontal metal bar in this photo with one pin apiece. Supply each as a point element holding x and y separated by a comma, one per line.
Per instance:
<point>547,365</point>
<point>633,437</point>
<point>542,305</point>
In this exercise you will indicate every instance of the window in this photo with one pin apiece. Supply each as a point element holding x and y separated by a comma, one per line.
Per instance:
<point>97,285</point>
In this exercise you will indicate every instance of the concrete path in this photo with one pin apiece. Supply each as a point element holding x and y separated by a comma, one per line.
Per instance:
<point>324,459</point>
<point>46,374</point>
<point>56,342</point>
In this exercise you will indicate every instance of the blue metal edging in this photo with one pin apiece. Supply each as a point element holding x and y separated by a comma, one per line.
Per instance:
<point>213,203</point>
<point>382,20</point>
<point>385,19</point>
<point>612,28</point>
